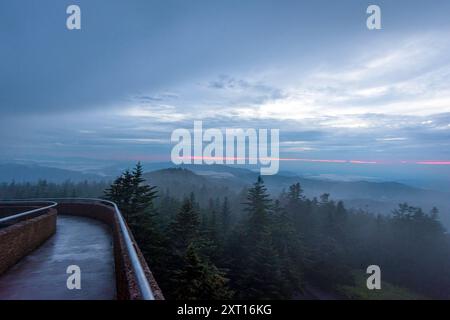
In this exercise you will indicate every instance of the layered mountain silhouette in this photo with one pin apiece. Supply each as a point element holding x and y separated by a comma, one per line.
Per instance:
<point>376,197</point>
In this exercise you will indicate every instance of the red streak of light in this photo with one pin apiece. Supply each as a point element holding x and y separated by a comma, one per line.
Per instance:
<point>282,159</point>
<point>435,163</point>
<point>411,162</point>
<point>316,160</point>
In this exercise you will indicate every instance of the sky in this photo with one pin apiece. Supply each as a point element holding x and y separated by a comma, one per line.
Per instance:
<point>137,70</point>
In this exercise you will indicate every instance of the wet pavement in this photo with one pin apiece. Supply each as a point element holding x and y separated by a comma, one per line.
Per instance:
<point>42,275</point>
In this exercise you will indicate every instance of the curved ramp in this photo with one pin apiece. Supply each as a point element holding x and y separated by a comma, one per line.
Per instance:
<point>42,274</point>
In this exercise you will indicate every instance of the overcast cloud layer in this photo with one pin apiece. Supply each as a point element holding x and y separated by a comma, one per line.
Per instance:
<point>138,69</point>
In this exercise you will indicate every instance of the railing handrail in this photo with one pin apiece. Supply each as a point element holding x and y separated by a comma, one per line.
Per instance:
<point>144,286</point>
<point>26,213</point>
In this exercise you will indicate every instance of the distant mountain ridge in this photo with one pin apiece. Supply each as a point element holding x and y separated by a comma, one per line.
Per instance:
<point>378,197</point>
<point>31,173</point>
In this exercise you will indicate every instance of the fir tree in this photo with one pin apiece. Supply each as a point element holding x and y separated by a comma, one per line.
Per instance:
<point>131,194</point>
<point>260,272</point>
<point>225,217</point>
<point>258,207</point>
<point>185,229</point>
<point>199,280</point>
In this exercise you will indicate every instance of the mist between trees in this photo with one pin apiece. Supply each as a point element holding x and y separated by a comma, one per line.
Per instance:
<point>252,245</point>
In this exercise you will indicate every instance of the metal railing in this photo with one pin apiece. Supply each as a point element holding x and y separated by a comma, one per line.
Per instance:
<point>14,218</point>
<point>141,278</point>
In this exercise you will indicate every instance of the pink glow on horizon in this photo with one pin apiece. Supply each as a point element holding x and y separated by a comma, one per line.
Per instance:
<point>309,160</point>
<point>434,162</point>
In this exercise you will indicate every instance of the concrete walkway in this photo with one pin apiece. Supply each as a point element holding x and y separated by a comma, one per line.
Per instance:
<point>42,274</point>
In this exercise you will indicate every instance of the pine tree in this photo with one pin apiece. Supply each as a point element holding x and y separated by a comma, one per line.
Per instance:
<point>143,195</point>
<point>121,192</point>
<point>259,275</point>
<point>295,193</point>
<point>290,250</point>
<point>296,207</point>
<point>135,200</point>
<point>131,194</point>
<point>199,280</point>
<point>258,206</point>
<point>225,217</point>
<point>192,274</point>
<point>185,229</point>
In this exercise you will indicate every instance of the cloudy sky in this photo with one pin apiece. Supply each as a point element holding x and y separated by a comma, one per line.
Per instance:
<point>137,70</point>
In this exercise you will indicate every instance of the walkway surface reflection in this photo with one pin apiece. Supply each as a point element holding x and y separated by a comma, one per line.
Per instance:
<point>42,275</point>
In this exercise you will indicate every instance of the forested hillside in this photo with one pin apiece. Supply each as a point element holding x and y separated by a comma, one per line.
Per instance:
<point>374,197</point>
<point>45,189</point>
<point>211,242</point>
<point>255,246</point>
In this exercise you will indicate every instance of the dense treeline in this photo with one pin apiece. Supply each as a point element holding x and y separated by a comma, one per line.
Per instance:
<point>254,246</point>
<point>279,248</point>
<point>45,189</point>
